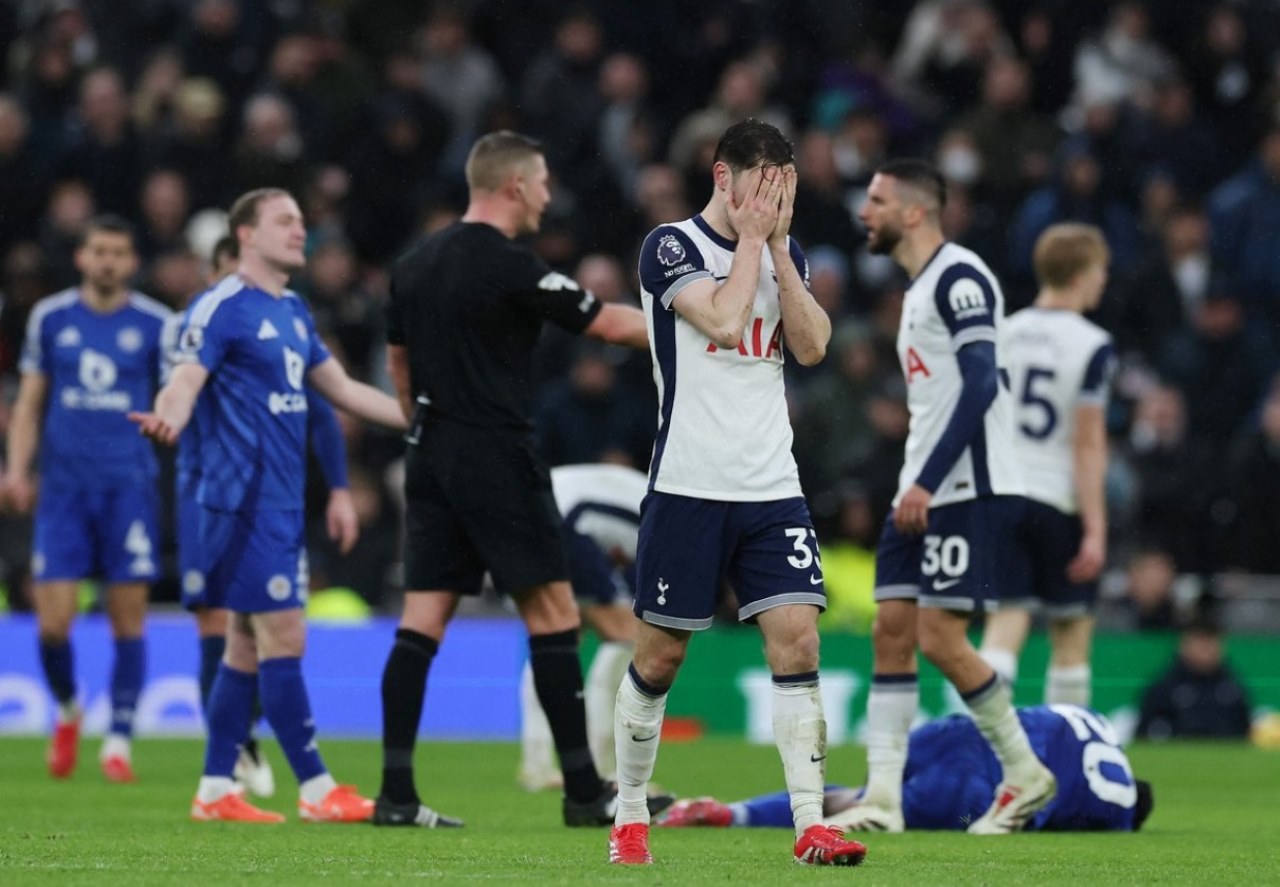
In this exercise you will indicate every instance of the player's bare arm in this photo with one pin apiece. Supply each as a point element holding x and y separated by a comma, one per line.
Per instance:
<point>721,312</point>
<point>1090,457</point>
<point>340,519</point>
<point>357,398</point>
<point>805,326</point>
<point>398,370</point>
<point>24,437</point>
<point>174,404</point>
<point>620,325</point>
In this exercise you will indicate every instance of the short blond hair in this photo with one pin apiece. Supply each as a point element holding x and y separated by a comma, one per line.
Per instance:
<point>496,156</point>
<point>1065,251</point>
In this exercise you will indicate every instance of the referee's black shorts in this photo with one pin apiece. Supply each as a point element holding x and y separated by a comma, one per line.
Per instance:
<point>479,499</point>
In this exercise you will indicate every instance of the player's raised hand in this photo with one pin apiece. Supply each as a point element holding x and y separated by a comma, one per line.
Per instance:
<point>1087,565</point>
<point>341,520</point>
<point>153,426</point>
<point>912,514</point>
<point>786,208</point>
<point>755,217</point>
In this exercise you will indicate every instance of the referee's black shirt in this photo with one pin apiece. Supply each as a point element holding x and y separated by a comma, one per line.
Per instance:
<point>468,304</point>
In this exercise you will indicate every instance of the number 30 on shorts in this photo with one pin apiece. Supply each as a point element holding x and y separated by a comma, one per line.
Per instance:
<point>949,554</point>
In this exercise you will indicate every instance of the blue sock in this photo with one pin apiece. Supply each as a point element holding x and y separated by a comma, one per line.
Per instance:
<point>230,705</point>
<point>211,650</point>
<point>769,811</point>
<point>59,669</point>
<point>126,683</point>
<point>288,711</point>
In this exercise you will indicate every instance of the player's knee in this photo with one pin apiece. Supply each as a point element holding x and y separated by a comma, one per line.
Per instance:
<point>659,667</point>
<point>795,653</point>
<point>893,636</point>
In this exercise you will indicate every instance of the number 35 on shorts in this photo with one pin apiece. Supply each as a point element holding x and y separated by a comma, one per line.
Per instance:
<point>948,555</point>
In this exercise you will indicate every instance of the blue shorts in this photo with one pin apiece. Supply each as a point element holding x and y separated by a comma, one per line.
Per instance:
<point>108,534</point>
<point>596,581</point>
<point>972,556</point>
<point>1053,540</point>
<point>252,562</point>
<point>768,551</point>
<point>196,594</point>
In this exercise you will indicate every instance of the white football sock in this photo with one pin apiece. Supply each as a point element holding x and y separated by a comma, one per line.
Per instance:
<point>891,707</point>
<point>995,718</point>
<point>1004,663</point>
<point>537,748</point>
<point>114,745</point>
<point>214,788</point>
<point>603,679</point>
<point>315,789</point>
<point>1068,685</point>
<point>800,732</point>
<point>637,719</point>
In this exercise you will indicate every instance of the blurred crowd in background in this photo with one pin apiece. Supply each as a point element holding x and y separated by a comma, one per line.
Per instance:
<point>1158,122</point>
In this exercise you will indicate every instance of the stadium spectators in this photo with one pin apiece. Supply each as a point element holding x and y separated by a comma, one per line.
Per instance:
<point>366,111</point>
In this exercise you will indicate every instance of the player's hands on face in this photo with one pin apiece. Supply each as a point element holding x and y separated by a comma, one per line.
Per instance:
<point>786,208</point>
<point>1087,565</point>
<point>152,426</point>
<point>757,215</point>
<point>341,520</point>
<point>912,514</point>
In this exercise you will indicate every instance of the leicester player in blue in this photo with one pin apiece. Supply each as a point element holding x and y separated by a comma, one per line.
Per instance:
<point>951,773</point>
<point>252,770</point>
<point>92,354</point>
<point>245,356</point>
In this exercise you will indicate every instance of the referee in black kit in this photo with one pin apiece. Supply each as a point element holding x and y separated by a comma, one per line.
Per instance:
<point>467,305</point>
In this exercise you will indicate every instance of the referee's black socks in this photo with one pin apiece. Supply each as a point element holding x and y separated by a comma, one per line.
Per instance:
<point>557,677</point>
<point>404,687</point>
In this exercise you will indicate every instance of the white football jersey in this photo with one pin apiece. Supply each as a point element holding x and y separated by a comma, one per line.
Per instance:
<point>602,502</point>
<point>1057,361</point>
<point>723,428</point>
<point>954,301</point>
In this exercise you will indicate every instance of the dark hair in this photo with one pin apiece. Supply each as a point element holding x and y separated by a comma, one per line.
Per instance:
<point>919,174</point>
<point>1146,802</point>
<point>106,223</point>
<point>749,143</point>
<point>245,210</point>
<point>227,245</point>
<point>494,156</point>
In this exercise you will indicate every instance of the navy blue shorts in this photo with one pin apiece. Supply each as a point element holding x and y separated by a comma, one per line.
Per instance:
<point>768,552</point>
<point>1053,540</point>
<point>972,556</point>
<point>108,534</point>
<point>596,581</point>
<point>252,562</point>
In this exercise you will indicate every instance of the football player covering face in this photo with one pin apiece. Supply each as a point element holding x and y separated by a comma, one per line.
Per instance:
<point>106,261</point>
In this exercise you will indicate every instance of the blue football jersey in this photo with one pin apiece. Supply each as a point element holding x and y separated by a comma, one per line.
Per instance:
<point>252,414</point>
<point>99,368</point>
<point>951,772</point>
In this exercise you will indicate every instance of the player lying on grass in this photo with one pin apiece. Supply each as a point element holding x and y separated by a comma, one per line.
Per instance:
<point>951,773</point>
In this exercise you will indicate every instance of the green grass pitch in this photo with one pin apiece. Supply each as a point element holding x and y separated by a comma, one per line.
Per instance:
<point>1217,820</point>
